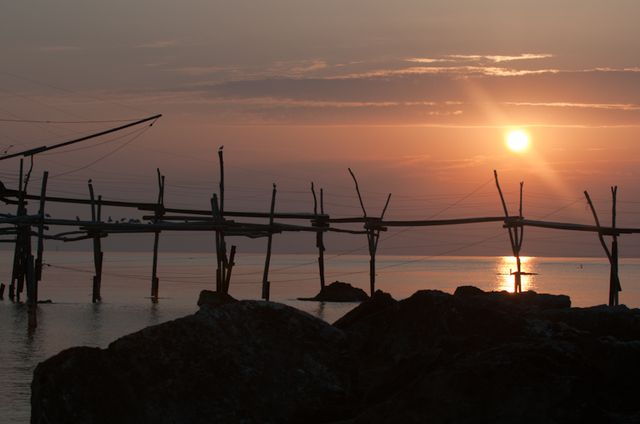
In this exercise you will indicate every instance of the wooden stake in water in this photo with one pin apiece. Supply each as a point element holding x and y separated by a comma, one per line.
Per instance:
<point>16,273</point>
<point>612,255</point>
<point>266,285</point>
<point>96,211</point>
<point>158,213</point>
<point>516,234</point>
<point>319,234</point>
<point>373,228</point>
<point>40,251</point>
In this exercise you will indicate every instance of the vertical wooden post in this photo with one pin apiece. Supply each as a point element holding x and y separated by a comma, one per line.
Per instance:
<point>217,207</point>
<point>98,256</point>
<point>321,247</point>
<point>374,238</point>
<point>614,279</point>
<point>40,251</point>
<point>373,228</point>
<point>159,212</point>
<point>27,274</point>
<point>320,233</point>
<point>612,255</point>
<point>17,254</point>
<point>220,244</point>
<point>370,238</point>
<point>221,161</point>
<point>266,285</point>
<point>372,261</point>
<point>516,235</point>
<point>229,266</point>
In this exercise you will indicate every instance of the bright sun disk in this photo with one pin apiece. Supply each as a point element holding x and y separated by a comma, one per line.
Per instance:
<point>517,141</point>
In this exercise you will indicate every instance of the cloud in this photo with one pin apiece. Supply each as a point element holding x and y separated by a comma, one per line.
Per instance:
<point>475,92</point>
<point>159,44</point>
<point>477,58</point>
<point>458,70</point>
<point>501,58</point>
<point>606,106</point>
<point>279,69</point>
<point>425,60</point>
<point>60,49</point>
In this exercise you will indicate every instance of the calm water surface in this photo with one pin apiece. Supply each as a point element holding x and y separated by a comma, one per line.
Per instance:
<point>73,320</point>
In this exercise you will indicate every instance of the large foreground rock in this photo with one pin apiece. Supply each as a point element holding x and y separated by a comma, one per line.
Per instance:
<point>243,362</point>
<point>495,357</point>
<point>471,357</point>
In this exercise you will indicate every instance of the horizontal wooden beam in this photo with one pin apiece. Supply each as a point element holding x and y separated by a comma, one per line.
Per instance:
<point>431,222</point>
<point>608,231</point>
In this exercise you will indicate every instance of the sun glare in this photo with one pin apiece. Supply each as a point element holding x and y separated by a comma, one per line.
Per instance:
<point>517,141</point>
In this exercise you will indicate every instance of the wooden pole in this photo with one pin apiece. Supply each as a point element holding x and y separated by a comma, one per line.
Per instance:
<point>40,251</point>
<point>374,238</point>
<point>32,152</point>
<point>373,227</point>
<point>266,285</point>
<point>614,279</point>
<point>231,263</point>
<point>221,161</point>
<point>25,230</point>
<point>17,254</point>
<point>519,236</point>
<point>370,238</point>
<point>612,255</point>
<point>159,212</point>
<point>96,211</point>
<point>319,234</point>
<point>515,235</point>
<point>215,211</point>
<point>223,263</point>
<point>321,247</point>
<point>364,211</point>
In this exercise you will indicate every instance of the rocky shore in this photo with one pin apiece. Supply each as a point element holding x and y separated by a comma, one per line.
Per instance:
<point>469,357</point>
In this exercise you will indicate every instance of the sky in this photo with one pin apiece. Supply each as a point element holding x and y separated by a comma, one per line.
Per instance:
<point>415,96</point>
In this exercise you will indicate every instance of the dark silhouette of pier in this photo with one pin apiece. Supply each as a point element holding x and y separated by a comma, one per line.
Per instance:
<point>24,226</point>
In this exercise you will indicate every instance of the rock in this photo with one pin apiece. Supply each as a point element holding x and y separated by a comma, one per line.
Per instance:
<point>470,357</point>
<point>248,361</point>
<point>378,303</point>
<point>213,298</point>
<point>468,291</point>
<point>490,357</point>
<point>528,300</point>
<point>602,321</point>
<point>339,292</point>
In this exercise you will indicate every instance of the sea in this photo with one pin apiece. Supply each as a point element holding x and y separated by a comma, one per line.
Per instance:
<point>72,320</point>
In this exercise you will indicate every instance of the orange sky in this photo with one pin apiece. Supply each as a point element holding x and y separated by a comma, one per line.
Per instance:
<point>415,97</point>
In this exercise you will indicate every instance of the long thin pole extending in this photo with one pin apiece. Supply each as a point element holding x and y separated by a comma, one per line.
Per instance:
<point>41,149</point>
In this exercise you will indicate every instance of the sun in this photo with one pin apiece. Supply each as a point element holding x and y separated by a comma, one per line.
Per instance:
<point>517,141</point>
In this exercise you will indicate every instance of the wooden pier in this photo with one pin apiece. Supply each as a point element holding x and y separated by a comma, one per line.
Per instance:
<point>20,228</point>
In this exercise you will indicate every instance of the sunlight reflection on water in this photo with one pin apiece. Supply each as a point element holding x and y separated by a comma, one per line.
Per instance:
<point>506,267</point>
